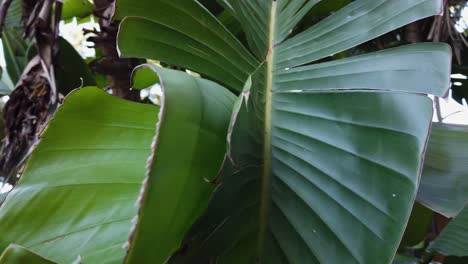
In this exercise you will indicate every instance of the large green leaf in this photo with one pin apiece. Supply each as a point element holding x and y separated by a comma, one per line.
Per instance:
<point>190,149</point>
<point>326,157</point>
<point>78,192</point>
<point>195,40</point>
<point>453,240</point>
<point>444,185</point>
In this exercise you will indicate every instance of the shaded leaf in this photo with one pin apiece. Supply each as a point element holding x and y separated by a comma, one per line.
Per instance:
<point>418,226</point>
<point>401,259</point>
<point>453,240</point>
<point>444,184</point>
<point>71,70</point>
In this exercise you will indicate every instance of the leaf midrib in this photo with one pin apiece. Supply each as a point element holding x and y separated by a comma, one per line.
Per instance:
<point>265,191</point>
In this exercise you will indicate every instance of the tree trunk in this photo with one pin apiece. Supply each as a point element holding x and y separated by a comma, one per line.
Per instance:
<point>118,70</point>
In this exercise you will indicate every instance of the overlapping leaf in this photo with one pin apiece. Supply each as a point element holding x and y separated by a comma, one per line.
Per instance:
<point>453,241</point>
<point>76,198</point>
<point>328,158</point>
<point>444,185</point>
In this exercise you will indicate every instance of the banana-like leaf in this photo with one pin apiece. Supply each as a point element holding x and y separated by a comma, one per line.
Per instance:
<point>444,184</point>
<point>15,254</point>
<point>195,40</point>
<point>325,158</point>
<point>453,240</point>
<point>99,156</point>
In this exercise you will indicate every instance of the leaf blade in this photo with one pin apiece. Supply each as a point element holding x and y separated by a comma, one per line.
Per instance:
<point>443,186</point>
<point>357,23</point>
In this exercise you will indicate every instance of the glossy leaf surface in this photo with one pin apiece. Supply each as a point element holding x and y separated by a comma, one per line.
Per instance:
<point>100,154</point>
<point>77,194</point>
<point>326,157</point>
<point>188,152</point>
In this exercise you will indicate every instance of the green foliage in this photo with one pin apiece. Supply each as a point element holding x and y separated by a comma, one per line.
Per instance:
<point>76,8</point>
<point>326,165</point>
<point>15,254</point>
<point>453,241</point>
<point>16,52</point>
<point>83,180</point>
<point>71,70</point>
<point>77,195</point>
<point>417,227</point>
<point>314,162</point>
<point>444,187</point>
<point>15,48</point>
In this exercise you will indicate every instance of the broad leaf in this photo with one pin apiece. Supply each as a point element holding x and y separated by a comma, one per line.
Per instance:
<point>15,254</point>
<point>444,185</point>
<point>189,150</point>
<point>324,159</point>
<point>195,40</point>
<point>453,241</point>
<point>100,154</point>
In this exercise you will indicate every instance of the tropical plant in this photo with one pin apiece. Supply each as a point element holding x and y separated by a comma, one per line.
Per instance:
<point>315,161</point>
